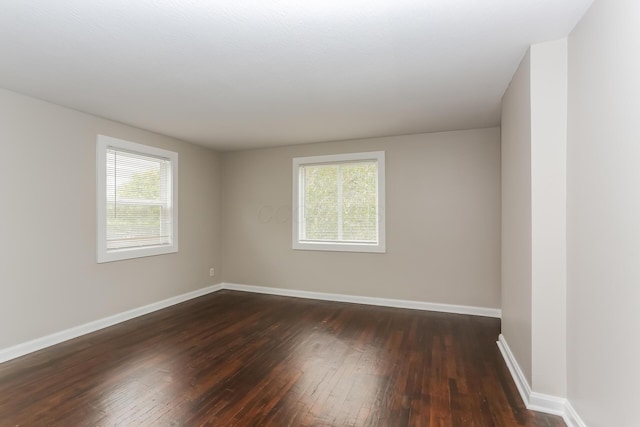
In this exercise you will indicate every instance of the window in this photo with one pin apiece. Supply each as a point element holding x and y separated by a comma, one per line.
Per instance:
<point>137,194</point>
<point>339,202</point>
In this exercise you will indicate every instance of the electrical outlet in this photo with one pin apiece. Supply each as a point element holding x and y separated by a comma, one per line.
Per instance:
<point>212,272</point>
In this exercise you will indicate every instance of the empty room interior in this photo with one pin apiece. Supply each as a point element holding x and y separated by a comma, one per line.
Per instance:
<point>320,213</point>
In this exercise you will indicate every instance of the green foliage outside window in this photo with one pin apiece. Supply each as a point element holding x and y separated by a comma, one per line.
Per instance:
<point>340,202</point>
<point>132,212</point>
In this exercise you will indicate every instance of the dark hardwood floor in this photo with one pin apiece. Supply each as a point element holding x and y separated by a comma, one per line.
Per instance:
<point>241,359</point>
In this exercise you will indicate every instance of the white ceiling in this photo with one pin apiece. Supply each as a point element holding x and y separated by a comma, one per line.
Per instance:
<point>235,74</point>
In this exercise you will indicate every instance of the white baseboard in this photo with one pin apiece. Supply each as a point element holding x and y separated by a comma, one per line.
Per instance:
<point>518,376</point>
<point>572,418</point>
<point>58,337</point>
<point>384,302</point>
<point>546,403</point>
<point>533,400</point>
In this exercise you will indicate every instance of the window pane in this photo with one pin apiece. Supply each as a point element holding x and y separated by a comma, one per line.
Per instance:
<point>339,198</point>
<point>359,202</point>
<point>130,225</point>
<point>320,203</point>
<point>138,208</point>
<point>340,202</point>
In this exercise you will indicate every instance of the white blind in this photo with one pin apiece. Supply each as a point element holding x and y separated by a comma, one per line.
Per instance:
<point>340,202</point>
<point>138,208</point>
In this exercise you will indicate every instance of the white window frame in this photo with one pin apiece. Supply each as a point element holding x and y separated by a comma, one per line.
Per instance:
<point>102,254</point>
<point>298,162</point>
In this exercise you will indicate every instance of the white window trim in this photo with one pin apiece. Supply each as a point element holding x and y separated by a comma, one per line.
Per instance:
<point>380,246</point>
<point>102,254</point>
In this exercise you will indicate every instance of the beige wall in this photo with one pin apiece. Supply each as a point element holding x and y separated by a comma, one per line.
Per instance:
<point>49,279</point>
<point>442,216</point>
<point>548,217</point>
<point>516,217</point>
<point>534,143</point>
<point>604,215</point>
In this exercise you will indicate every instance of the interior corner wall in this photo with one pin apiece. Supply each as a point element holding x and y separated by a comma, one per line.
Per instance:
<point>603,211</point>
<point>534,129</point>
<point>442,221</point>
<point>49,278</point>
<point>516,217</point>
<point>548,216</point>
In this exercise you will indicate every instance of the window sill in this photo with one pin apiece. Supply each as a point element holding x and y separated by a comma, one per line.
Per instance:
<point>131,253</point>
<point>339,247</point>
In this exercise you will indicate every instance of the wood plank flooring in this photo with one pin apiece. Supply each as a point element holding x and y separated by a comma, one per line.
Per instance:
<point>239,359</point>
